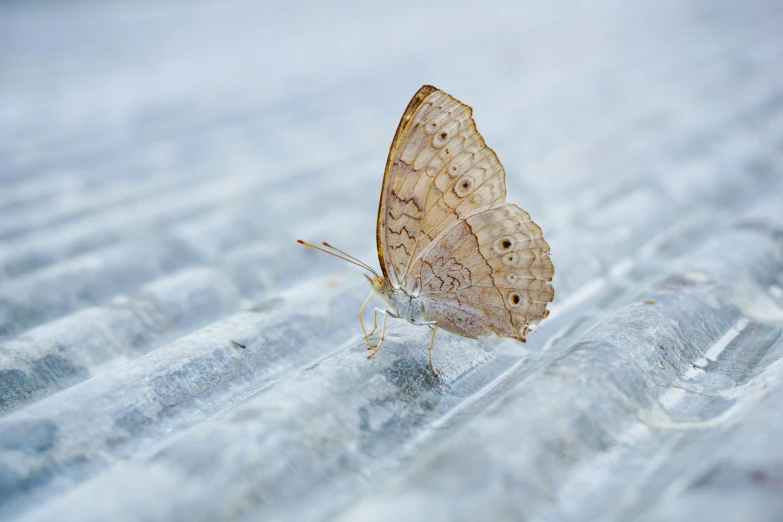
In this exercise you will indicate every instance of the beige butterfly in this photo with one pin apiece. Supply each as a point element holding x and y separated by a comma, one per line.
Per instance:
<point>454,254</point>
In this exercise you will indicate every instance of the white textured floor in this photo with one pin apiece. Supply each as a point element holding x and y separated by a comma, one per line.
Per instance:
<point>158,161</point>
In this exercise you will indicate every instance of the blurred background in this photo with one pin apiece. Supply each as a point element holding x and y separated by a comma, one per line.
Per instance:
<point>158,160</point>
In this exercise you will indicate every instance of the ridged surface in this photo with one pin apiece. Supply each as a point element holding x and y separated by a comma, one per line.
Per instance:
<point>157,163</point>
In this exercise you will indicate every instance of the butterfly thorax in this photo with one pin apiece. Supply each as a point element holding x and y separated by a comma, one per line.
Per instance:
<point>401,303</point>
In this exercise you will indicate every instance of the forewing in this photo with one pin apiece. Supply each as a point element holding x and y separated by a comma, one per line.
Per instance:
<point>439,170</point>
<point>487,273</point>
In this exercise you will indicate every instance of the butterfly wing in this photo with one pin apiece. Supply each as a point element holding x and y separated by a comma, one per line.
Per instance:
<point>439,170</point>
<point>487,273</point>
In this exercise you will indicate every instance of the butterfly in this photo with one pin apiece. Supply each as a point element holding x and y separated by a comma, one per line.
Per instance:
<point>453,253</point>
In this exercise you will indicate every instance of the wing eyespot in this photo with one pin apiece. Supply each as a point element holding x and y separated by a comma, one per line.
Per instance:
<point>510,259</point>
<point>504,244</point>
<point>433,126</point>
<point>440,139</point>
<point>463,187</point>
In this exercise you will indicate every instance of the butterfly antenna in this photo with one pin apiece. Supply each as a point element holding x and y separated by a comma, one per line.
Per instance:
<point>348,258</point>
<point>346,254</point>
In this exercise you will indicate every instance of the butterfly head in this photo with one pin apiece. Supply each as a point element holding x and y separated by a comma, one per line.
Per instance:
<point>379,284</point>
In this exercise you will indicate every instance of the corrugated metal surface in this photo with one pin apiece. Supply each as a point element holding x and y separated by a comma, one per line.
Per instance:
<point>157,163</point>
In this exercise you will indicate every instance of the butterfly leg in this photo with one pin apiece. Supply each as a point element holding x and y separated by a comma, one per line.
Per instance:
<point>361,321</point>
<point>386,315</point>
<point>429,349</point>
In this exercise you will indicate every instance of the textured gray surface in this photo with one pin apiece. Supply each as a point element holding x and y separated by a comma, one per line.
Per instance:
<point>157,164</point>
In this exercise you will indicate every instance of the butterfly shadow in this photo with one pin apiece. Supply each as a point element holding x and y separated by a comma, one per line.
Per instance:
<point>404,349</point>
